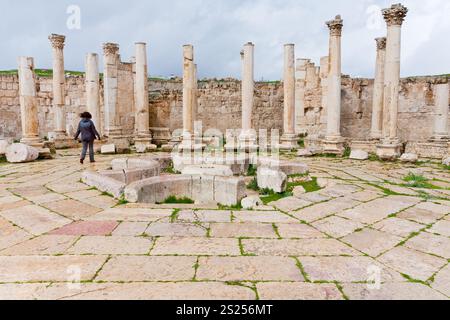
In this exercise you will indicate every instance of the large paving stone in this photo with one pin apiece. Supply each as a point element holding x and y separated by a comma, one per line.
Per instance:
<point>442,281</point>
<point>245,229</point>
<point>302,247</point>
<point>132,215</point>
<point>67,208</point>
<point>379,209</point>
<point>425,213</point>
<point>392,291</point>
<point>290,204</point>
<point>205,216</point>
<point>399,227</point>
<point>48,268</point>
<point>263,216</point>
<point>111,245</point>
<point>372,242</point>
<point>345,269</point>
<point>322,210</point>
<point>11,235</point>
<point>298,231</point>
<point>196,246</point>
<point>130,229</point>
<point>337,227</point>
<point>418,265</point>
<point>442,227</point>
<point>248,268</point>
<point>46,198</point>
<point>35,219</point>
<point>430,243</point>
<point>42,245</point>
<point>128,291</point>
<point>144,268</point>
<point>165,229</point>
<point>298,291</point>
<point>87,228</point>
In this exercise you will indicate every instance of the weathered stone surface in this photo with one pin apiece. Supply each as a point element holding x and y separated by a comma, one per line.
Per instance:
<point>442,227</point>
<point>132,215</point>
<point>442,281</point>
<point>298,291</point>
<point>205,216</point>
<point>205,169</point>
<point>392,291</point>
<point>11,235</point>
<point>144,268</point>
<point>372,242</point>
<point>245,230</point>
<point>303,247</point>
<point>3,146</point>
<point>446,161</point>
<point>87,228</point>
<point>19,152</point>
<point>420,266</point>
<point>322,210</point>
<point>163,229</point>
<point>104,184</point>
<point>271,179</point>
<point>49,268</point>
<point>111,245</point>
<point>298,191</point>
<point>430,243</point>
<point>298,231</point>
<point>262,216</point>
<point>248,268</point>
<point>399,227</point>
<point>66,208</point>
<point>337,227</point>
<point>290,204</point>
<point>196,246</point>
<point>130,229</point>
<point>304,153</point>
<point>359,155</point>
<point>42,245</point>
<point>108,149</point>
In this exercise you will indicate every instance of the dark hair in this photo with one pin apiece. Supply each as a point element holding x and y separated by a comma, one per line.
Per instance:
<point>86,115</point>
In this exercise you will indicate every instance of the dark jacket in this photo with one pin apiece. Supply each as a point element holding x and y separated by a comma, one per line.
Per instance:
<point>87,130</point>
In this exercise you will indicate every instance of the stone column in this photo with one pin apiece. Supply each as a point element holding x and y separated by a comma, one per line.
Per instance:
<point>28,103</point>
<point>93,89</point>
<point>441,118</point>
<point>324,68</point>
<point>58,135</point>
<point>378,88</point>
<point>390,147</point>
<point>300,84</point>
<point>247,137</point>
<point>111,61</point>
<point>142,122</point>
<point>289,138</point>
<point>188,94</point>
<point>333,142</point>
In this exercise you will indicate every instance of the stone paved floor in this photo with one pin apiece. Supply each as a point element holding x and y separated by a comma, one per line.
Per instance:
<point>329,244</point>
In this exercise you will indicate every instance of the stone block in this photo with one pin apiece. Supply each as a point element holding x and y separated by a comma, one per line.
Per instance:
<point>252,202</point>
<point>104,184</point>
<point>271,179</point>
<point>208,169</point>
<point>446,161</point>
<point>119,164</point>
<point>359,155</point>
<point>203,189</point>
<point>3,146</point>
<point>304,153</point>
<point>409,158</point>
<point>229,191</point>
<point>108,149</point>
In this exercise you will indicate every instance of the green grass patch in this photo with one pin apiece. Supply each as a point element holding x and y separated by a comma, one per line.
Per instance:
<point>251,172</point>
<point>175,200</point>
<point>174,215</point>
<point>347,152</point>
<point>418,181</point>
<point>253,185</point>
<point>3,160</point>
<point>122,201</point>
<point>271,196</point>
<point>233,207</point>
<point>301,143</point>
<point>107,194</point>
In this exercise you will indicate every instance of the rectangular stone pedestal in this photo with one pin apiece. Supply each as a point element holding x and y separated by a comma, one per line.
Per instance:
<point>289,142</point>
<point>369,146</point>
<point>389,151</point>
<point>335,146</point>
<point>144,144</point>
<point>160,136</point>
<point>62,141</point>
<point>429,150</point>
<point>122,143</point>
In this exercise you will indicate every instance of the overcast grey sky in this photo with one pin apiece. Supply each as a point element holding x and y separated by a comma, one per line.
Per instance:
<point>219,28</point>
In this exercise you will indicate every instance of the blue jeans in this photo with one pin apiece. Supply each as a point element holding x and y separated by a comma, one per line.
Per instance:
<point>91,150</point>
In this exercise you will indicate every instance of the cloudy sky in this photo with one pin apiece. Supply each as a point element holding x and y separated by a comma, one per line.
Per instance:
<point>219,28</point>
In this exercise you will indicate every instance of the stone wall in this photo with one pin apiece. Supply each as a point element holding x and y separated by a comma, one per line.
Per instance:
<point>220,105</point>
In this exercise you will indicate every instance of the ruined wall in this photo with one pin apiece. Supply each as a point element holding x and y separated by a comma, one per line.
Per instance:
<point>220,105</point>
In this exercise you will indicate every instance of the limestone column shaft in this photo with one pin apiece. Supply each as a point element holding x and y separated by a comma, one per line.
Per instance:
<point>334,80</point>
<point>188,90</point>
<point>93,89</point>
<point>28,102</point>
<point>300,84</point>
<point>378,90</point>
<point>57,42</point>
<point>111,61</point>
<point>289,90</point>
<point>141,91</point>
<point>394,17</point>
<point>441,117</point>
<point>248,87</point>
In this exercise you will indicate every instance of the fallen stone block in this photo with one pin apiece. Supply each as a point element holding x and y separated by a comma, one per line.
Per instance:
<point>104,184</point>
<point>206,169</point>
<point>229,191</point>
<point>251,202</point>
<point>271,179</point>
<point>3,145</point>
<point>108,149</point>
<point>446,161</point>
<point>299,191</point>
<point>304,153</point>
<point>203,189</point>
<point>359,155</point>
<point>19,152</point>
<point>409,158</point>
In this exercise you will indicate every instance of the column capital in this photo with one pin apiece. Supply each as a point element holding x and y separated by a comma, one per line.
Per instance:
<point>335,26</point>
<point>381,43</point>
<point>57,41</point>
<point>110,48</point>
<point>395,15</point>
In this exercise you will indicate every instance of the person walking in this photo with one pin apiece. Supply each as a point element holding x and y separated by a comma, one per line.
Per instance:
<point>88,133</point>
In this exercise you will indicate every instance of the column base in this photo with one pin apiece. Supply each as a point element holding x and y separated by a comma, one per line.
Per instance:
<point>160,136</point>
<point>333,145</point>
<point>289,142</point>
<point>389,150</point>
<point>62,140</point>
<point>121,143</point>
<point>369,146</point>
<point>247,143</point>
<point>440,138</point>
<point>144,144</point>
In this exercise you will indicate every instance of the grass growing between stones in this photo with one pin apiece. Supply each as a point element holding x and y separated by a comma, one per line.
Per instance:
<point>234,207</point>
<point>175,200</point>
<point>271,196</point>
<point>3,160</point>
<point>418,181</point>
<point>251,172</point>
